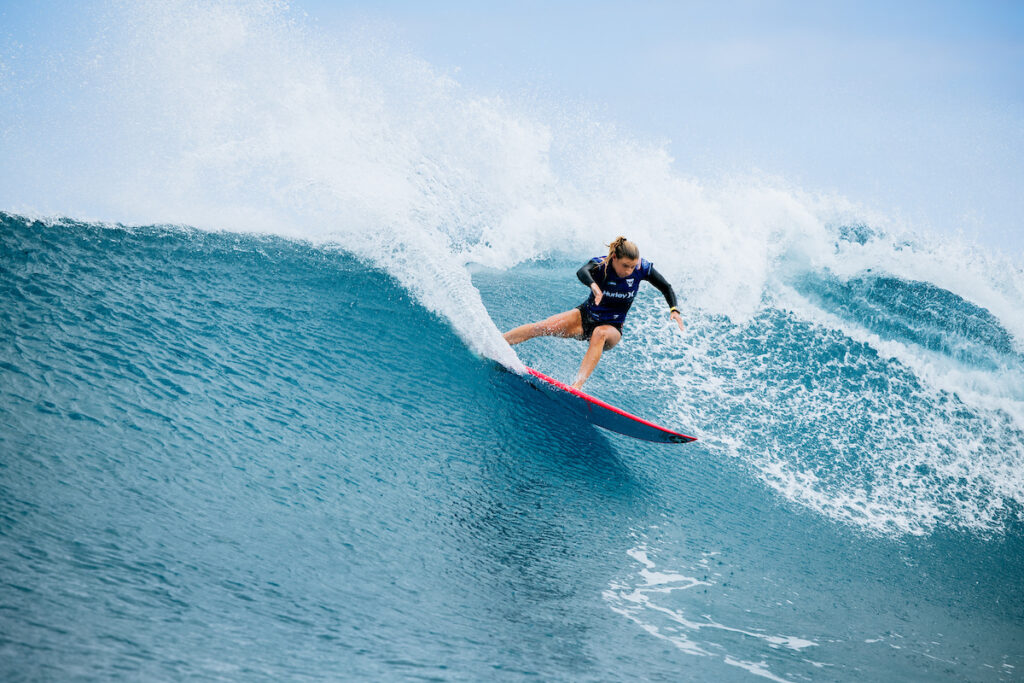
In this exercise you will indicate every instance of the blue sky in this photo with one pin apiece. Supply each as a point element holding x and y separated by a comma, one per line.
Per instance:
<point>914,109</point>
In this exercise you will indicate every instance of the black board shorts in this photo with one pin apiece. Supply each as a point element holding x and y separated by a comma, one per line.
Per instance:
<point>590,324</point>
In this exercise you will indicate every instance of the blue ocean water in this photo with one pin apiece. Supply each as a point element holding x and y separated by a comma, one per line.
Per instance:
<point>262,424</point>
<point>230,456</point>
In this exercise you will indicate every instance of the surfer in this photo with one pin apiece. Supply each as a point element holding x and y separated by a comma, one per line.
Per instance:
<point>613,281</point>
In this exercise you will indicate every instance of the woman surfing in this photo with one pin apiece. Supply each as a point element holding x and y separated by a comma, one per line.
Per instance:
<point>613,281</point>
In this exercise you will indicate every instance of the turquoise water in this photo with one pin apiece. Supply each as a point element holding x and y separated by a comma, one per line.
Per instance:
<point>227,456</point>
<point>263,425</point>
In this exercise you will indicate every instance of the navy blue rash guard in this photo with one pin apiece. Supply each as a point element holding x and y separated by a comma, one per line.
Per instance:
<point>619,292</point>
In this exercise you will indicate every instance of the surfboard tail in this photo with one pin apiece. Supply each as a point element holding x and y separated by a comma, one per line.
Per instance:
<point>606,415</point>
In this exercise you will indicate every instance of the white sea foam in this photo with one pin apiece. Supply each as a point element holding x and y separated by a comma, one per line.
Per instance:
<point>641,597</point>
<point>883,449</point>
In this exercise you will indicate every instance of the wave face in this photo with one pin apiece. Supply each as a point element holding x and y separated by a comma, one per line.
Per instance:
<point>241,456</point>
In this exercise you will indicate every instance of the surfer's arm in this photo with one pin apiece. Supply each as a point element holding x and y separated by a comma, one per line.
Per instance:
<point>586,273</point>
<point>656,279</point>
<point>586,276</point>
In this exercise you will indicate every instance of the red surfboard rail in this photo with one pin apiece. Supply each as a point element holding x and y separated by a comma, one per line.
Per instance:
<point>608,416</point>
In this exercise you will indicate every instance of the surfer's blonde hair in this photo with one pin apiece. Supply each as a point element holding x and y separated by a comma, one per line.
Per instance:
<point>621,248</point>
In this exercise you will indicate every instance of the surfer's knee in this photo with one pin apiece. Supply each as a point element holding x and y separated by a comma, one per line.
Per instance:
<point>607,336</point>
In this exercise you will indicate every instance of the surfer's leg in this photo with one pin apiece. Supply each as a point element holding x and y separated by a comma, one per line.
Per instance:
<point>604,337</point>
<point>568,324</point>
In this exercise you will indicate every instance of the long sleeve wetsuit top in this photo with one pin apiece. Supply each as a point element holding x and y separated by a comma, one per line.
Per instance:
<point>618,293</point>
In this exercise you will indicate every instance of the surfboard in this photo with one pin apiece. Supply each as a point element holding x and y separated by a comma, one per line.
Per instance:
<point>604,415</point>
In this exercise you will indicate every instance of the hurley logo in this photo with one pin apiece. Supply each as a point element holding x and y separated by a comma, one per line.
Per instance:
<point>629,281</point>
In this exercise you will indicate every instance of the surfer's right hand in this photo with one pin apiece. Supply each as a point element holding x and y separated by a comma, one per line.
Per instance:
<point>598,294</point>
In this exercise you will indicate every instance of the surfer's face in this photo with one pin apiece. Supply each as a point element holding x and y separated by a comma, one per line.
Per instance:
<point>624,266</point>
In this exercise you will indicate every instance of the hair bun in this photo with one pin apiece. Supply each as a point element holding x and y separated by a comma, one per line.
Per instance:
<point>621,248</point>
